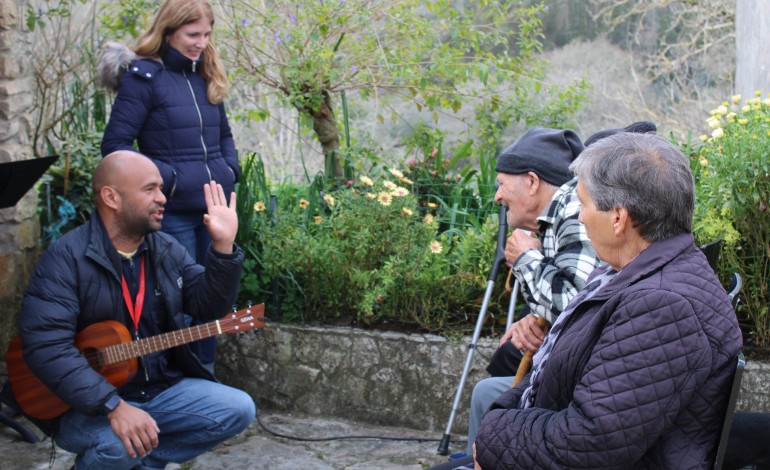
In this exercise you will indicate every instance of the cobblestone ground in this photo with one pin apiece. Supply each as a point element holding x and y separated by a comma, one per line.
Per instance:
<point>257,449</point>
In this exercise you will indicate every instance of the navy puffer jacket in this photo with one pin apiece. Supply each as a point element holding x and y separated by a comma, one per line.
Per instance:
<point>163,106</point>
<point>77,283</point>
<point>639,377</point>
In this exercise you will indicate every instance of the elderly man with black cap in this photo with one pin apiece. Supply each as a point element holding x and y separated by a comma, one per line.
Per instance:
<point>539,190</point>
<point>552,262</point>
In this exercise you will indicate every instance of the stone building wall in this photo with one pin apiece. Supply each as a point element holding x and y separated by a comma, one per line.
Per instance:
<point>19,228</point>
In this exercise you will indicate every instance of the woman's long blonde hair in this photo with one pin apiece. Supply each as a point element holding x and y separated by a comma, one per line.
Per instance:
<point>174,14</point>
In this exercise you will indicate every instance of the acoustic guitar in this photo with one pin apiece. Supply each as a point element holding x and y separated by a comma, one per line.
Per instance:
<point>110,350</point>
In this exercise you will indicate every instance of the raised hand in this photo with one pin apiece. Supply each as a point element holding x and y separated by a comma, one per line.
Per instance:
<point>519,242</point>
<point>221,219</point>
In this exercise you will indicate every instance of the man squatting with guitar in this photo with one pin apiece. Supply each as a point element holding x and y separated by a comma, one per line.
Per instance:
<point>118,266</point>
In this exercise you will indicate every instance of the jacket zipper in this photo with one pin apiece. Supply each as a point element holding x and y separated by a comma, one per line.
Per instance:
<point>200,119</point>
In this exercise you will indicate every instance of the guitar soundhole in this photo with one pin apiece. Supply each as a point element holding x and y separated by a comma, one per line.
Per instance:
<point>94,358</point>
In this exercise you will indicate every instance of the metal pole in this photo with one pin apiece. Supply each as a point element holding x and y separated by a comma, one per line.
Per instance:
<point>502,233</point>
<point>512,305</point>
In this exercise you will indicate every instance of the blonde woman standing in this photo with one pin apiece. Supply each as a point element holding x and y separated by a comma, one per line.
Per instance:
<point>170,92</point>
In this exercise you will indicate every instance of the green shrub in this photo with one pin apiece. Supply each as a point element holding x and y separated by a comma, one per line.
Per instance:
<point>732,171</point>
<point>364,252</point>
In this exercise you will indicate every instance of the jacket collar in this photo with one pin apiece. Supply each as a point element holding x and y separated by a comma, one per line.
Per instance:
<point>177,62</point>
<point>555,207</point>
<point>657,255</point>
<point>101,249</point>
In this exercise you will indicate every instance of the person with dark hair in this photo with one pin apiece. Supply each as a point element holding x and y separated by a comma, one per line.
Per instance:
<point>170,100</point>
<point>639,127</point>
<point>565,251</point>
<point>538,188</point>
<point>636,371</point>
<point>119,267</point>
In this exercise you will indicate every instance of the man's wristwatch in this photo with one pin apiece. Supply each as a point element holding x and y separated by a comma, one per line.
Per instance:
<point>110,405</point>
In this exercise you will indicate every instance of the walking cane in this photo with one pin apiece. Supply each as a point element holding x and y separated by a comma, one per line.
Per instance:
<point>526,361</point>
<point>502,234</point>
<point>512,305</point>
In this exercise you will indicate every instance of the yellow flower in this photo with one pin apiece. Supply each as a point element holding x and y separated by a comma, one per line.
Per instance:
<point>259,206</point>
<point>303,203</point>
<point>406,211</point>
<point>365,180</point>
<point>743,121</point>
<point>746,108</point>
<point>396,173</point>
<point>435,247</point>
<point>731,117</point>
<point>406,180</point>
<point>318,219</point>
<point>757,92</point>
<point>370,195</point>
<point>390,185</point>
<point>400,192</point>
<point>703,138</point>
<point>718,132</point>
<point>721,110</point>
<point>329,199</point>
<point>432,205</point>
<point>736,99</point>
<point>713,122</point>
<point>428,219</point>
<point>703,161</point>
<point>766,101</point>
<point>385,198</point>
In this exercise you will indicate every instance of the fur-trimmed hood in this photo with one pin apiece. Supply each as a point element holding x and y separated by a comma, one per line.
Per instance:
<point>112,63</point>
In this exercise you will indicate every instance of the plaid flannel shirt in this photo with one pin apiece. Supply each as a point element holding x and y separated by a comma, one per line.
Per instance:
<point>552,276</point>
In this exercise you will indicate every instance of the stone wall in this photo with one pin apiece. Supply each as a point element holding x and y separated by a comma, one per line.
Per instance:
<point>19,228</point>
<point>378,377</point>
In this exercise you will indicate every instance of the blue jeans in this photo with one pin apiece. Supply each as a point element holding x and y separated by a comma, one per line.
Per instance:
<point>194,416</point>
<point>484,393</point>
<point>190,231</point>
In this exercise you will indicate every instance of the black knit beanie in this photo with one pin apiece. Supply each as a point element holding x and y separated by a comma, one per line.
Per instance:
<point>545,152</point>
<point>641,127</point>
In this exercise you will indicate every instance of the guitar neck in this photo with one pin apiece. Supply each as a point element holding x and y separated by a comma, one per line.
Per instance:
<point>142,347</point>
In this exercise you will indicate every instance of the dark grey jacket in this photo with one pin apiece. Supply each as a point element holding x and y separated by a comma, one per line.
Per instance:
<point>639,378</point>
<point>78,282</point>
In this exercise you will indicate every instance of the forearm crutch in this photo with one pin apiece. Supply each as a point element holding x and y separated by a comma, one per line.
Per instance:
<point>502,234</point>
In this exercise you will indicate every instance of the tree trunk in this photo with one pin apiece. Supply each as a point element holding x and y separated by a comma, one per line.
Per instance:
<point>752,68</point>
<point>325,127</point>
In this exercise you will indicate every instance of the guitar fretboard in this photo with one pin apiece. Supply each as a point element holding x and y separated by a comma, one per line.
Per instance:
<point>141,347</point>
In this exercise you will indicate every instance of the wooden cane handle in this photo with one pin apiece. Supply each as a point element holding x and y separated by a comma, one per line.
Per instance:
<point>526,361</point>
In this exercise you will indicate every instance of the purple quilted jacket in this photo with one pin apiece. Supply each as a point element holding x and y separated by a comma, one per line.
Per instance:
<point>639,378</point>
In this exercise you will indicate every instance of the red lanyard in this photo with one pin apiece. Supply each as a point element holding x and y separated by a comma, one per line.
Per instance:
<point>135,309</point>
